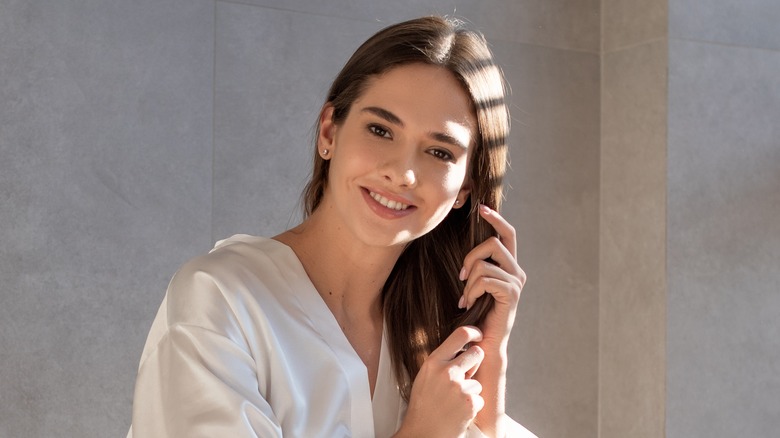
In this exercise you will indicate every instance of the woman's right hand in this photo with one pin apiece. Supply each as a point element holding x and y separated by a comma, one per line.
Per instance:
<point>445,399</point>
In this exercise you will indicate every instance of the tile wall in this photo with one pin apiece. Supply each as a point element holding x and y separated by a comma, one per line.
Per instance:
<point>723,343</point>
<point>633,228</point>
<point>644,188</point>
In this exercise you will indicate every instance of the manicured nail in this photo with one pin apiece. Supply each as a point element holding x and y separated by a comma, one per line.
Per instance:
<point>484,209</point>
<point>462,303</point>
<point>462,275</point>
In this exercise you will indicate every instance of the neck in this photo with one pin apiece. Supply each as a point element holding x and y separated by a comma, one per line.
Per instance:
<point>348,275</point>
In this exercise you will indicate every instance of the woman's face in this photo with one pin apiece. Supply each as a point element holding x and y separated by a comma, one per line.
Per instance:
<point>400,158</point>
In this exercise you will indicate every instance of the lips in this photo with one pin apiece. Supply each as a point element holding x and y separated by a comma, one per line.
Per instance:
<point>393,205</point>
<point>385,207</point>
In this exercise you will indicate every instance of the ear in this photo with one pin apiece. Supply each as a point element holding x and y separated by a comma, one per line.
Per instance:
<point>327,135</point>
<point>463,194</point>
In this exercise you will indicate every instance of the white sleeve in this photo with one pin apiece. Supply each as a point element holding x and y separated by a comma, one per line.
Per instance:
<point>513,430</point>
<point>197,377</point>
<point>198,383</point>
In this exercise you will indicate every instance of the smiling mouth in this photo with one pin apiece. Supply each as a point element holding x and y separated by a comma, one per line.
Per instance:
<point>393,205</point>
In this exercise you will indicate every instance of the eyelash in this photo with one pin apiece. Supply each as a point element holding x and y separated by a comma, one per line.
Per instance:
<point>443,155</point>
<point>382,132</point>
<point>379,131</point>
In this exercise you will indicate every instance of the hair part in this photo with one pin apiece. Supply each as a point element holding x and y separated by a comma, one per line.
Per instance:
<point>421,294</point>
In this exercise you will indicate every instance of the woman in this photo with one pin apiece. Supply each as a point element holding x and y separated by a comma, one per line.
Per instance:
<point>387,311</point>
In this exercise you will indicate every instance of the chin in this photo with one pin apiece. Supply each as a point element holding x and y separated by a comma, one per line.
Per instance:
<point>377,239</point>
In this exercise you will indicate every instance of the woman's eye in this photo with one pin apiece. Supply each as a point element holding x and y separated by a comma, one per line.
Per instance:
<point>379,131</point>
<point>442,154</point>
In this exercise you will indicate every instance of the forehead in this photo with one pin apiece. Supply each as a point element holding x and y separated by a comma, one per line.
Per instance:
<point>426,96</point>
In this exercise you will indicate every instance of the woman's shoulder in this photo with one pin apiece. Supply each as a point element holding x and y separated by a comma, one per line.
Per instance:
<point>239,271</point>
<point>245,240</point>
<point>236,254</point>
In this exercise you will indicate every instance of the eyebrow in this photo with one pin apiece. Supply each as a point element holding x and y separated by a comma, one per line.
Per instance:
<point>392,118</point>
<point>385,114</point>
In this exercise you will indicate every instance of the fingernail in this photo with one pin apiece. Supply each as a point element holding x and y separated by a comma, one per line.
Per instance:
<point>484,209</point>
<point>462,275</point>
<point>461,303</point>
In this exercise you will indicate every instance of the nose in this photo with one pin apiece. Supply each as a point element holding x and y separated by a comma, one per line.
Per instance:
<point>400,171</point>
<point>408,178</point>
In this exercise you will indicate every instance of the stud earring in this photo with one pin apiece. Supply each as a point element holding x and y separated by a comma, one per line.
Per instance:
<point>457,202</point>
<point>325,153</point>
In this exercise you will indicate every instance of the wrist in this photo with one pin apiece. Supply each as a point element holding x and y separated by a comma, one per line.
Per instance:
<point>495,345</point>
<point>492,376</point>
<point>495,361</point>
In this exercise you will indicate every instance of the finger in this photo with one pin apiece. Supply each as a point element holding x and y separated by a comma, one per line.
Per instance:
<point>505,230</point>
<point>469,360</point>
<point>478,402</point>
<point>504,292</point>
<point>473,370</point>
<point>480,269</point>
<point>491,249</point>
<point>455,343</point>
<point>471,386</point>
<point>483,269</point>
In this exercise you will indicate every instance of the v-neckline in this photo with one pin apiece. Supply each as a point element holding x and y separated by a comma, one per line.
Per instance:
<point>386,399</point>
<point>318,311</point>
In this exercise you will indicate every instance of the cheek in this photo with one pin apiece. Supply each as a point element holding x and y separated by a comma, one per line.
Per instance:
<point>352,158</point>
<point>362,160</point>
<point>452,181</point>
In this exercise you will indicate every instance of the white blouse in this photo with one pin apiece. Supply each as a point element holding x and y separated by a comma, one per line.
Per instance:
<point>244,346</point>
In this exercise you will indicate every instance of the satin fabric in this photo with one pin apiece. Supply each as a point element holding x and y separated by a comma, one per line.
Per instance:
<point>244,346</point>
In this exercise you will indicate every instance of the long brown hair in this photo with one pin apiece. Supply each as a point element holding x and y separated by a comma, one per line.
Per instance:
<point>421,294</point>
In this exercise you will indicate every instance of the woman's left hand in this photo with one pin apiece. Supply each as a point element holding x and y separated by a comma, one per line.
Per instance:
<point>503,279</point>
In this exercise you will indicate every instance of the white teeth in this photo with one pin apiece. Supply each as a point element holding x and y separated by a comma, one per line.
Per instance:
<point>393,205</point>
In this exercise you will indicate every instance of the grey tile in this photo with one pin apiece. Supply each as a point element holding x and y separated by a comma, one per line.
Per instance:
<point>553,204</point>
<point>752,23</point>
<point>270,85</point>
<point>380,12</point>
<point>724,241</point>
<point>105,108</point>
<point>565,24</point>
<point>633,245</point>
<point>571,24</point>
<point>627,23</point>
